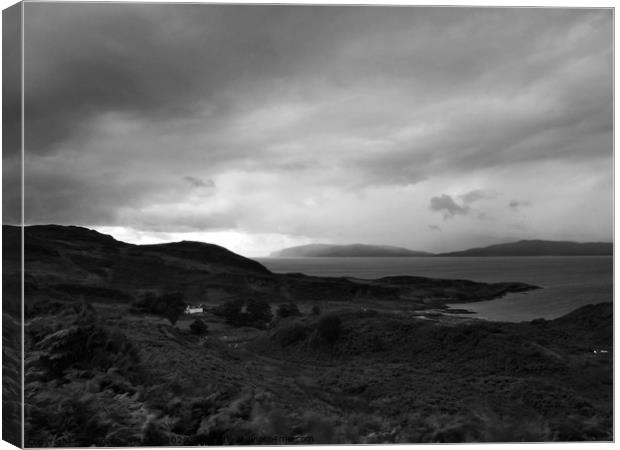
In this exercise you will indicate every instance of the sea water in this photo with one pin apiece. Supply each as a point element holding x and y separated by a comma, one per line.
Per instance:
<point>567,282</point>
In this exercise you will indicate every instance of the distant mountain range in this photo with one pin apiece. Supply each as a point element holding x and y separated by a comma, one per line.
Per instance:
<point>520,248</point>
<point>327,250</point>
<point>540,248</point>
<point>69,264</point>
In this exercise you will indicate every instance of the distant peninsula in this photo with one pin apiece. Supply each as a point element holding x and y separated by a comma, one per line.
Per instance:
<point>520,248</point>
<point>357,250</point>
<point>539,248</point>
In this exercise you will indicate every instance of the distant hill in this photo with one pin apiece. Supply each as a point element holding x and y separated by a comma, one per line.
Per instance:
<point>67,264</point>
<point>328,250</point>
<point>539,248</point>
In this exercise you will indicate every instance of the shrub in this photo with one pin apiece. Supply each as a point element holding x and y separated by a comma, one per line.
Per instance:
<point>291,334</point>
<point>259,310</point>
<point>329,328</point>
<point>253,313</point>
<point>288,310</point>
<point>169,305</point>
<point>229,309</point>
<point>198,327</point>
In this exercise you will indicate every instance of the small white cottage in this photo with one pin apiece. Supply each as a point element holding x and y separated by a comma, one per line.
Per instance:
<point>193,309</point>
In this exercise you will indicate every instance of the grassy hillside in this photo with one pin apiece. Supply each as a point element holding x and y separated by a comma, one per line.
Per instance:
<point>285,359</point>
<point>11,337</point>
<point>382,378</point>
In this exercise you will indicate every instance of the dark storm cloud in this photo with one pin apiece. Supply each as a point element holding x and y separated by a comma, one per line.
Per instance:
<point>166,60</point>
<point>153,60</point>
<point>170,60</point>
<point>133,110</point>
<point>446,204</point>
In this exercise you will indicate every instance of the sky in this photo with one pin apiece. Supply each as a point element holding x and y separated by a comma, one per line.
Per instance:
<point>260,127</point>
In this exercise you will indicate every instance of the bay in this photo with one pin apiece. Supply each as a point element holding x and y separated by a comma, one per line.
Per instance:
<point>567,282</point>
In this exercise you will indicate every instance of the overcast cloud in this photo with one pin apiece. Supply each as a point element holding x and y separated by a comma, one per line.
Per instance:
<point>257,127</point>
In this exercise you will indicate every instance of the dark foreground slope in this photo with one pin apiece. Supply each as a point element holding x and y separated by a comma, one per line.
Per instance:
<point>380,378</point>
<point>11,339</point>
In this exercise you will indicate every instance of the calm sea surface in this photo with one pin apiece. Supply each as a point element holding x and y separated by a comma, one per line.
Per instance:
<point>567,282</point>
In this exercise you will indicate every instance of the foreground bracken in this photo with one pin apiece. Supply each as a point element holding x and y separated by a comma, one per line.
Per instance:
<point>384,378</point>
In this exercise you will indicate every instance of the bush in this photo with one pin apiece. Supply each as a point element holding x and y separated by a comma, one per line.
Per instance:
<point>329,328</point>
<point>174,305</point>
<point>253,313</point>
<point>198,327</point>
<point>229,309</point>
<point>288,310</point>
<point>291,334</point>
<point>259,310</point>
<point>169,305</point>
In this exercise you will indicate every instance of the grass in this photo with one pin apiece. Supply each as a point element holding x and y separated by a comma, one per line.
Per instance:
<point>383,378</point>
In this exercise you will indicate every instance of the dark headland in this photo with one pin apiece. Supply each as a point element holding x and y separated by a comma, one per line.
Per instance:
<point>111,361</point>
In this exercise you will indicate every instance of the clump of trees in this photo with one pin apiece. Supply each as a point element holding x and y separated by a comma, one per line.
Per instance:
<point>169,305</point>
<point>288,310</point>
<point>252,313</point>
<point>198,327</point>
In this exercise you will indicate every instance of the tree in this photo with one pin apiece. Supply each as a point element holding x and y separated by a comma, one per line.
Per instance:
<point>198,327</point>
<point>173,305</point>
<point>255,313</point>
<point>259,311</point>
